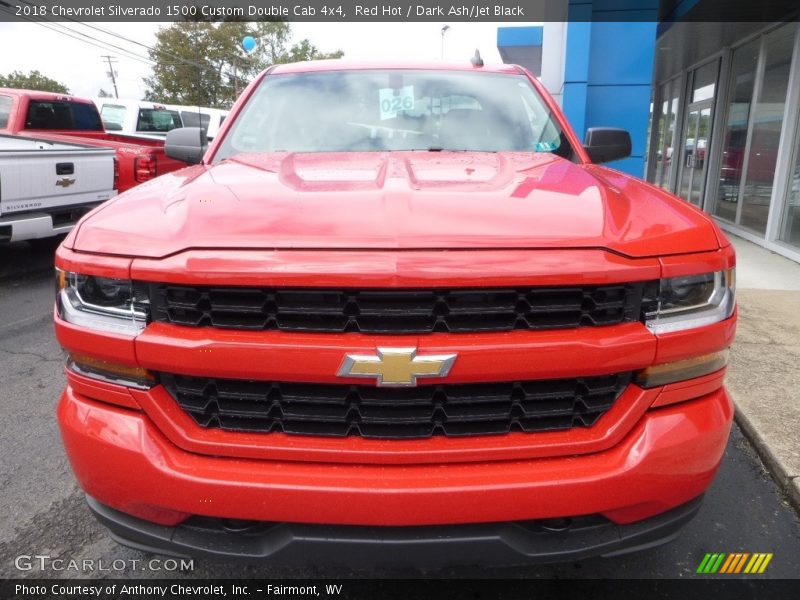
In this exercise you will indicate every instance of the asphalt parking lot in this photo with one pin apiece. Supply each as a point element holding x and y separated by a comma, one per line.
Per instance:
<point>44,512</point>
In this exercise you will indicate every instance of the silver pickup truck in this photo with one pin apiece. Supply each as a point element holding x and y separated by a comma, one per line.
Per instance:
<point>45,187</point>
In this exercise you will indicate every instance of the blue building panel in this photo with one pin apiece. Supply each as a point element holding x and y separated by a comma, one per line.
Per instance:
<point>574,106</point>
<point>522,46</point>
<point>579,39</point>
<point>622,53</point>
<point>627,107</point>
<point>608,69</point>
<point>520,36</point>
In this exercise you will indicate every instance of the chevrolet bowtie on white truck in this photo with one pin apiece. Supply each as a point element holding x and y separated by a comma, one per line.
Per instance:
<point>45,187</point>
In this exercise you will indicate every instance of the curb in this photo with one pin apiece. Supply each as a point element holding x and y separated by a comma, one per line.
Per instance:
<point>788,485</point>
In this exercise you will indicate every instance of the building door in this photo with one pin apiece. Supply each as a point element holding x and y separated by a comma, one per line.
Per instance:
<point>693,152</point>
<point>692,149</point>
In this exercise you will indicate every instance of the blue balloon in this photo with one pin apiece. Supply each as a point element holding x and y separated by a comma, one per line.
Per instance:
<point>249,43</point>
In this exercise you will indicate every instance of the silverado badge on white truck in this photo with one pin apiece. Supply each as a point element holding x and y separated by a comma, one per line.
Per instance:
<point>45,187</point>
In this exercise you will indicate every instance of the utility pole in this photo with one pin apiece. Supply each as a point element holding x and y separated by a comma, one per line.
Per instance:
<point>235,80</point>
<point>111,72</point>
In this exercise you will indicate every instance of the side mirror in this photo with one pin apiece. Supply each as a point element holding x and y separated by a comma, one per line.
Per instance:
<point>604,144</point>
<point>187,144</point>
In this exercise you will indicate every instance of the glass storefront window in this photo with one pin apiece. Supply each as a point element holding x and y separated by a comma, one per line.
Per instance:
<point>767,117</point>
<point>698,129</point>
<point>705,82</point>
<point>790,229</point>
<point>743,75</point>
<point>665,133</point>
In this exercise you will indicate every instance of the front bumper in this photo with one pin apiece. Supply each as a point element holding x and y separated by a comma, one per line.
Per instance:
<point>667,459</point>
<point>138,453</point>
<point>484,544</point>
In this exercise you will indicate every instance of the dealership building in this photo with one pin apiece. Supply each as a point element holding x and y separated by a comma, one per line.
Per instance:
<point>713,107</point>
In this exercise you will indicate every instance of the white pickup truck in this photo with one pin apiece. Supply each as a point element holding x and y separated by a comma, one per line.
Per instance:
<point>45,187</point>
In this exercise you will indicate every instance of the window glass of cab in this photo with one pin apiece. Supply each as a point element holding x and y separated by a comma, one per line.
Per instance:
<point>5,110</point>
<point>195,119</point>
<point>56,114</point>
<point>113,116</point>
<point>155,120</point>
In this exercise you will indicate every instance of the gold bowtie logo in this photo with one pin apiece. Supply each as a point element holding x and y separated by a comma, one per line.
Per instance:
<point>396,367</point>
<point>65,182</point>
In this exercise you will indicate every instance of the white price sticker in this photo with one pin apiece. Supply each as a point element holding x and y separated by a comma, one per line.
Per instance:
<point>395,100</point>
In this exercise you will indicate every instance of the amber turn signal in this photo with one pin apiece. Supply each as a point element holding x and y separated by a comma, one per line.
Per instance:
<point>103,370</point>
<point>682,369</point>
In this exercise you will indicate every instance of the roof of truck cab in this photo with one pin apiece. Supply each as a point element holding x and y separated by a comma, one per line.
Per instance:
<point>37,95</point>
<point>348,65</point>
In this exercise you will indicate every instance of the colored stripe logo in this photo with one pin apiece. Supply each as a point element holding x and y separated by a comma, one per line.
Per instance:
<point>737,562</point>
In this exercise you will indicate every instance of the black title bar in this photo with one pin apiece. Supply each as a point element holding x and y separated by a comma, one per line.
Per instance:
<point>396,10</point>
<point>698,588</point>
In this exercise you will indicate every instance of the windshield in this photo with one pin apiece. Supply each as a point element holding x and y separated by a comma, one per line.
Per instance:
<point>393,110</point>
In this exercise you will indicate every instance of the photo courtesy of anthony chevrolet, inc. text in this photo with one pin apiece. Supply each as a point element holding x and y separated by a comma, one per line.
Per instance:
<point>399,299</point>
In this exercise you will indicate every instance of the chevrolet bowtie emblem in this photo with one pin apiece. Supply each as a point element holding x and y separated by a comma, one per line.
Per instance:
<point>65,182</point>
<point>396,367</point>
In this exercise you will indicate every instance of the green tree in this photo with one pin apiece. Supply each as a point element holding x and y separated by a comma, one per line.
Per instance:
<point>305,50</point>
<point>32,81</point>
<point>204,64</point>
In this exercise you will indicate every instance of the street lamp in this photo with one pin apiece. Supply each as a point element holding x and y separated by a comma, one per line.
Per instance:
<point>444,30</point>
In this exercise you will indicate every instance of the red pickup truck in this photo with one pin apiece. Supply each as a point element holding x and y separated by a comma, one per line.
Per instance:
<point>63,118</point>
<point>396,314</point>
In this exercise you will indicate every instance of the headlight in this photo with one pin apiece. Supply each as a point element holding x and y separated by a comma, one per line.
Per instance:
<point>102,303</point>
<point>690,301</point>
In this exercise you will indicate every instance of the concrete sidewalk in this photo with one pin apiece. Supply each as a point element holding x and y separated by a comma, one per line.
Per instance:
<point>764,374</point>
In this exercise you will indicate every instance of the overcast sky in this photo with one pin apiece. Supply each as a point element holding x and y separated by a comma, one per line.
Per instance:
<point>71,57</point>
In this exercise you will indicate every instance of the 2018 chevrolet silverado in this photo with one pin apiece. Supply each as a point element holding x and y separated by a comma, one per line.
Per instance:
<point>46,187</point>
<point>395,314</point>
<point>63,118</point>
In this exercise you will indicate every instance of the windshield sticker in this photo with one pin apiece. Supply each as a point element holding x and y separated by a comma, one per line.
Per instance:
<point>546,146</point>
<point>395,100</point>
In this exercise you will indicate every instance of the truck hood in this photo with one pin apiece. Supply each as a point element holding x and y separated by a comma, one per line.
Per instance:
<point>398,200</point>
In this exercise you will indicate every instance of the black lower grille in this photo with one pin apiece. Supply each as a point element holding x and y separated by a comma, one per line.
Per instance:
<point>393,413</point>
<point>396,311</point>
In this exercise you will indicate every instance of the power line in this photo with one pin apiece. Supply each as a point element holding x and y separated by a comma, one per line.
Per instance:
<point>105,45</point>
<point>73,33</point>
<point>180,59</point>
<point>122,37</point>
<point>96,43</point>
